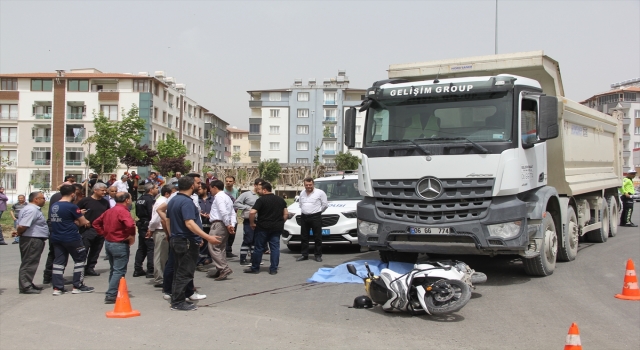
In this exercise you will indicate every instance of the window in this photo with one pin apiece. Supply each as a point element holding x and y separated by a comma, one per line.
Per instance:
<point>8,135</point>
<point>274,146</point>
<point>155,113</point>
<point>302,146</point>
<point>78,85</point>
<point>74,155</point>
<point>156,87</point>
<point>9,84</point>
<point>8,111</point>
<point>41,155</point>
<point>9,158</point>
<point>303,113</point>
<point>303,96</point>
<point>274,130</point>
<point>275,96</point>
<point>330,114</point>
<point>358,144</point>
<point>328,161</point>
<point>9,181</point>
<point>170,100</point>
<point>329,148</point>
<point>164,96</point>
<point>274,113</point>
<point>302,130</point>
<point>40,178</point>
<point>164,116</point>
<point>358,129</point>
<point>302,160</point>
<point>629,96</point>
<point>109,111</point>
<point>236,148</point>
<point>42,112</point>
<point>608,99</point>
<point>41,84</point>
<point>236,136</point>
<point>636,145</point>
<point>638,114</point>
<point>637,130</point>
<point>75,133</point>
<point>142,85</point>
<point>329,98</point>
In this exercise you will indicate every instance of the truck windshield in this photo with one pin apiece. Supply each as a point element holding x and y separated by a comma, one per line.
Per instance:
<point>340,190</point>
<point>478,117</point>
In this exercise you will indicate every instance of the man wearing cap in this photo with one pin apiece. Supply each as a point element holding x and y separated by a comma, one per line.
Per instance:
<point>122,185</point>
<point>627,199</point>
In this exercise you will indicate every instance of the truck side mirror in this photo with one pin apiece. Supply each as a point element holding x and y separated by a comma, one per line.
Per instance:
<point>350,127</point>
<point>548,118</point>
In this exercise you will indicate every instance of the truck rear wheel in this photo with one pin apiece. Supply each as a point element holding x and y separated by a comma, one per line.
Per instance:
<point>614,216</point>
<point>387,255</point>
<point>545,263</point>
<point>569,241</point>
<point>600,235</point>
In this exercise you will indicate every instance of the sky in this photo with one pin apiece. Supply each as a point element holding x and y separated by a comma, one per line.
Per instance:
<point>221,49</point>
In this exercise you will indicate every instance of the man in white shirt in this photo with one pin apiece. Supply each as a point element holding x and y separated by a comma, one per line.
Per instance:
<point>223,220</point>
<point>122,184</point>
<point>313,202</point>
<point>160,242</point>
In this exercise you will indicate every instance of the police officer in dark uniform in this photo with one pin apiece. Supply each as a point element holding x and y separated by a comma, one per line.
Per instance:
<point>205,200</point>
<point>144,209</point>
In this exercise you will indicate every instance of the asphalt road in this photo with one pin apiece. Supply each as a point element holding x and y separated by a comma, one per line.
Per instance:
<point>510,311</point>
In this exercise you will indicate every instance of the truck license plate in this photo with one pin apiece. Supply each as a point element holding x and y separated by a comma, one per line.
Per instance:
<point>325,232</point>
<point>430,230</point>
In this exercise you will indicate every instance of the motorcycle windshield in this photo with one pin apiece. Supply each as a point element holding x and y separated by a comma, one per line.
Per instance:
<point>378,292</point>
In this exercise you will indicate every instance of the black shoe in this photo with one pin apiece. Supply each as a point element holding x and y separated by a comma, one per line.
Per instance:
<point>273,272</point>
<point>91,272</point>
<point>30,291</point>
<point>250,270</point>
<point>302,258</point>
<point>183,306</point>
<point>3,243</point>
<point>46,280</point>
<point>110,299</point>
<point>318,258</point>
<point>15,242</point>
<point>158,285</point>
<point>36,287</point>
<point>149,275</point>
<point>139,273</point>
<point>231,255</point>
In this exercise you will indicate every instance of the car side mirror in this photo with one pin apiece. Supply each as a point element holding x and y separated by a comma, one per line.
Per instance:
<point>350,127</point>
<point>548,118</point>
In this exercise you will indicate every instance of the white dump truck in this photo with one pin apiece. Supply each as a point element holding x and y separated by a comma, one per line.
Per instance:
<point>484,155</point>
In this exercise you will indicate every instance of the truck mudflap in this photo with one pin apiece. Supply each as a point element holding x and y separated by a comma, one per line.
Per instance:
<point>463,237</point>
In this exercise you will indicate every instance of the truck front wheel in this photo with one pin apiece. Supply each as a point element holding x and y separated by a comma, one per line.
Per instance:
<point>387,255</point>
<point>545,263</point>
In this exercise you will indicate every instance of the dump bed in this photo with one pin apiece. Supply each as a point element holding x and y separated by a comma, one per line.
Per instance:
<point>586,156</point>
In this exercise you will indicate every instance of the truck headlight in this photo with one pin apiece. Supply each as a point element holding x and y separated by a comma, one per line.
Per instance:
<point>367,227</point>
<point>349,214</point>
<point>505,230</point>
<point>291,215</point>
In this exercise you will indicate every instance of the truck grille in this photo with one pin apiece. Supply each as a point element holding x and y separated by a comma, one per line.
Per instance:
<point>327,220</point>
<point>462,199</point>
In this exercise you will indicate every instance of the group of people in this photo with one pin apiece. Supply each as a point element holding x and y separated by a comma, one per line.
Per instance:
<point>187,227</point>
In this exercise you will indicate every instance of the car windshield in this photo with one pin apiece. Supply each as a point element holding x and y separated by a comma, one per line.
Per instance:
<point>479,117</point>
<point>340,190</point>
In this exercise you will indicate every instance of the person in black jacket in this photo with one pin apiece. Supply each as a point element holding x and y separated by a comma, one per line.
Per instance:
<point>144,209</point>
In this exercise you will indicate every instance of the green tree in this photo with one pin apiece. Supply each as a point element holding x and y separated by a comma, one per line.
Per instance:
<point>269,169</point>
<point>347,161</point>
<point>171,147</point>
<point>115,140</point>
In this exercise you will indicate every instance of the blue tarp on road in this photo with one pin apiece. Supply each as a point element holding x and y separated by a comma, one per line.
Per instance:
<point>340,274</point>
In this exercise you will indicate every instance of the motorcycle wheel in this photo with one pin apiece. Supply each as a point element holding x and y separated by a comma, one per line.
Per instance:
<point>454,298</point>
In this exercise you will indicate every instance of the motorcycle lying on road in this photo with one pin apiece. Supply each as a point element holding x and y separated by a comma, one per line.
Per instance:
<point>434,287</point>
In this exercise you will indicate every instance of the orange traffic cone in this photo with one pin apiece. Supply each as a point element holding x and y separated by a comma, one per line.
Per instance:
<point>630,289</point>
<point>573,338</point>
<point>123,305</point>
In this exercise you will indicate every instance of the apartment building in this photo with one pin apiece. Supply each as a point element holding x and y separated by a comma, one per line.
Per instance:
<point>46,117</point>
<point>239,144</point>
<point>289,124</point>
<point>623,100</point>
<point>218,144</point>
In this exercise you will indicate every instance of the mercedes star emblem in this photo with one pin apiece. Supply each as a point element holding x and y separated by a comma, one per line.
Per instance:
<point>429,188</point>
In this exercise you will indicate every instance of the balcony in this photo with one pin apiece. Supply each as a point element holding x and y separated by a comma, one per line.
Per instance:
<point>329,120</point>
<point>171,104</point>
<point>626,121</point>
<point>254,153</point>
<point>79,138</point>
<point>42,162</point>
<point>43,138</point>
<point>330,102</point>
<point>626,137</point>
<point>75,115</point>
<point>43,116</point>
<point>255,104</point>
<point>626,154</point>
<point>74,162</point>
<point>254,137</point>
<point>329,135</point>
<point>329,152</point>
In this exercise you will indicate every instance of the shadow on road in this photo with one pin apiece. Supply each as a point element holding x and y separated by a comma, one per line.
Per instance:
<point>432,318</point>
